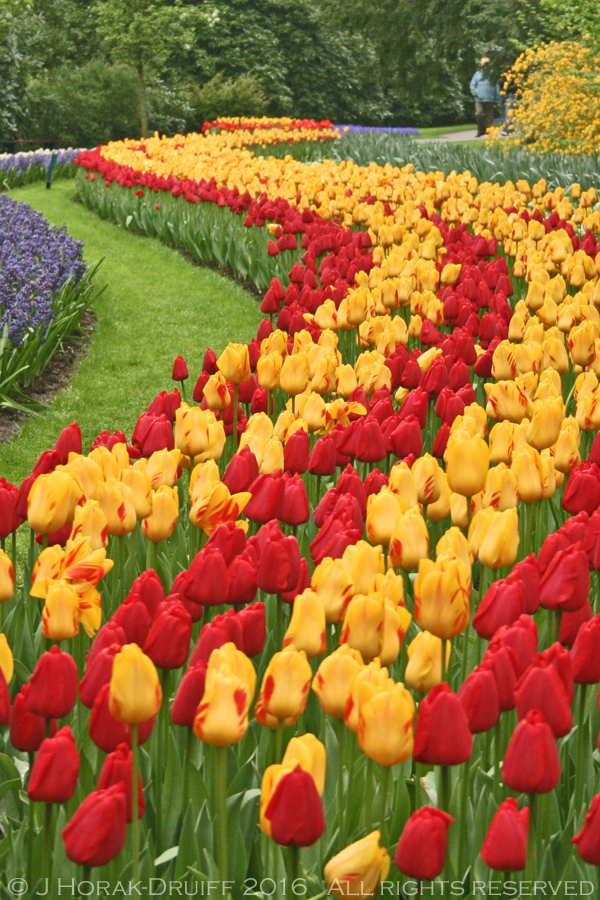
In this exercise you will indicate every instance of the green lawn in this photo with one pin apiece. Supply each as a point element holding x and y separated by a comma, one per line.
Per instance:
<point>445,129</point>
<point>156,305</point>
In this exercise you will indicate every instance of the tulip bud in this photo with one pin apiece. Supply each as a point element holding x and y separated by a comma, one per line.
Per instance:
<point>55,771</point>
<point>161,523</point>
<point>385,725</point>
<point>424,667</point>
<point>505,845</point>
<point>97,831</point>
<point>588,839</point>
<point>442,591</point>
<point>357,870</point>
<point>421,852</point>
<point>135,692</point>
<point>116,502</point>
<point>294,810</point>
<point>333,680</point>
<point>234,363</point>
<point>53,685</point>
<point>284,689</point>
<point>435,742</point>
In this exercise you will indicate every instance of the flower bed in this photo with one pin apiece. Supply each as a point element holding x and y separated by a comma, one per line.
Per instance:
<point>17,169</point>
<point>44,288</point>
<point>374,529</point>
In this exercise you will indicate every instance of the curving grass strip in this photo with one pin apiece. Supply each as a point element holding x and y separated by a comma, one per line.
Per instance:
<point>155,306</point>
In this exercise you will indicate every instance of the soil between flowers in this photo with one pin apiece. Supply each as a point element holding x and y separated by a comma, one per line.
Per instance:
<point>54,379</point>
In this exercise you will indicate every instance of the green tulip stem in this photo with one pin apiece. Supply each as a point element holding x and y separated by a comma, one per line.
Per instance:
<point>385,783</point>
<point>530,872</point>
<point>30,557</point>
<point>221,786</point>
<point>279,627</point>
<point>444,659</point>
<point>135,823</point>
<point>464,801</point>
<point>122,592</point>
<point>133,549</point>
<point>497,761</point>
<point>369,791</point>
<point>14,553</point>
<point>86,871</point>
<point>581,747</point>
<point>47,840</point>
<point>183,391</point>
<point>235,414</point>
<point>557,623</point>
<point>279,742</point>
<point>444,799</point>
<point>295,858</point>
<point>340,782</point>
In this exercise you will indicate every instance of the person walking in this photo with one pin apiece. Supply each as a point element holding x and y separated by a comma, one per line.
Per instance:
<point>486,95</point>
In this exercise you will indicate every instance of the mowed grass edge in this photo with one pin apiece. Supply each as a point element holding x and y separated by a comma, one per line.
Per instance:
<point>155,306</point>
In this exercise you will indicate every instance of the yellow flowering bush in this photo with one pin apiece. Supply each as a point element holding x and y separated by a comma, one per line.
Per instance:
<point>557,99</point>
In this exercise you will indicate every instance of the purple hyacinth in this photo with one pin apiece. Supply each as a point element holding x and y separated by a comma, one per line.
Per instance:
<point>36,259</point>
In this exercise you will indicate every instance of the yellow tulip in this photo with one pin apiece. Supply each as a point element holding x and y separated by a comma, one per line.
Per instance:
<point>234,363</point>
<point>89,521</point>
<point>385,726</point>
<point>427,475</point>
<point>222,716</point>
<point>357,870</point>
<point>363,627</point>
<point>191,430</point>
<point>135,694</point>
<point>467,462</point>
<point>306,630</point>
<point>500,488</point>
<point>363,563</point>
<point>162,467</point>
<point>308,752</point>
<point>284,689</point>
<point>333,679</point>
<point>216,392</point>
<point>494,537</point>
<point>382,511</point>
<point>367,681</point>
<point>52,500</point>
<point>424,667</point>
<point>507,400</point>
<point>60,616</point>
<point>409,541</point>
<point>165,512</point>
<point>333,585</point>
<point>138,481</point>
<point>268,371</point>
<point>7,578</point>
<point>116,502</point>
<point>442,591</point>
<point>402,482</point>
<point>7,664</point>
<point>544,428</point>
<point>294,375</point>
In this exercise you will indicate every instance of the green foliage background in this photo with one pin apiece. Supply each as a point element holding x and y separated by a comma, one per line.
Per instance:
<point>86,71</point>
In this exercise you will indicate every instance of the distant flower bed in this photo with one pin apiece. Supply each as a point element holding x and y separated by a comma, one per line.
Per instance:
<point>362,129</point>
<point>44,288</point>
<point>17,169</point>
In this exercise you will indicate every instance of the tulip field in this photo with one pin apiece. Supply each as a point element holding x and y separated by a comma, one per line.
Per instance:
<point>326,622</point>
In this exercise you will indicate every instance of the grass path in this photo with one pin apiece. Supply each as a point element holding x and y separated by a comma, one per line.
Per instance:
<point>156,305</point>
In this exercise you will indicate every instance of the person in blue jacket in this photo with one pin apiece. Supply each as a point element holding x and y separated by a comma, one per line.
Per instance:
<point>486,95</point>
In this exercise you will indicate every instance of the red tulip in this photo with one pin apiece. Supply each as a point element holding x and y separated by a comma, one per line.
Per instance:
<point>588,839</point>
<point>279,566</point>
<point>133,617</point>
<point>541,687</point>
<point>180,369</point>
<point>442,735</point>
<point>53,685</point>
<point>267,494</point>
<point>106,732</point>
<point>566,582</point>
<point>253,622</point>
<point>421,852</point>
<point>168,643</point>
<point>505,845</point>
<point>294,506</point>
<point>582,491</point>
<point>295,810</point>
<point>208,581</point>
<point>153,432</point>
<point>322,460</point>
<point>241,472</point>
<point>109,634</point>
<point>9,520</point>
<point>531,762</point>
<point>149,587</point>
<point>97,674</point>
<point>26,729</point>
<point>189,694</point>
<point>55,771</point>
<point>223,629</point>
<point>504,666</point>
<point>68,441</point>
<point>522,638</point>
<point>502,604</point>
<point>295,453</point>
<point>585,658</point>
<point>117,769</point>
<point>97,831</point>
<point>478,696</point>
<point>243,583</point>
